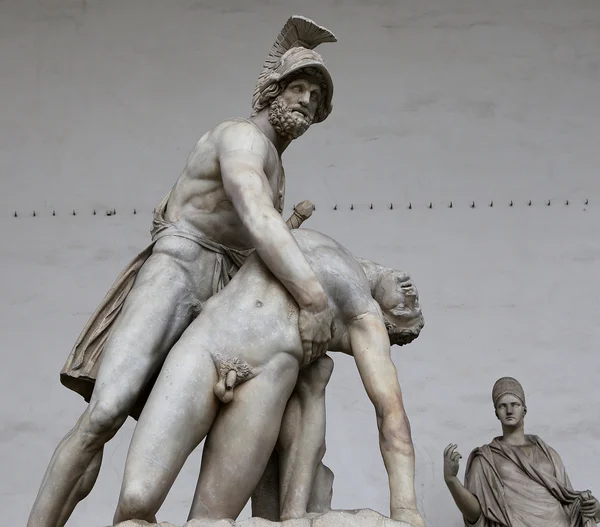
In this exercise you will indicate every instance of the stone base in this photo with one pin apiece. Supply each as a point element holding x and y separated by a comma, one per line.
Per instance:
<point>349,518</point>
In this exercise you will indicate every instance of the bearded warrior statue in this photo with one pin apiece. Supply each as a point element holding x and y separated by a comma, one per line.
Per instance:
<point>291,56</point>
<point>226,203</point>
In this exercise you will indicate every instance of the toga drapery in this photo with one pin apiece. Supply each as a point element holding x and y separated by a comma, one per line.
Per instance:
<point>519,490</point>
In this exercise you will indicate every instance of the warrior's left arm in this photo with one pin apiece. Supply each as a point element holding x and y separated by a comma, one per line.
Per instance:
<point>370,346</point>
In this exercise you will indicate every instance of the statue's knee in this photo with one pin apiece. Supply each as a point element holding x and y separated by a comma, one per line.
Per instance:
<point>101,422</point>
<point>325,365</point>
<point>313,380</point>
<point>135,502</point>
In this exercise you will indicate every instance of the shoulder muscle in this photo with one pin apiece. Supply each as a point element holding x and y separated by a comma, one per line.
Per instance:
<point>242,138</point>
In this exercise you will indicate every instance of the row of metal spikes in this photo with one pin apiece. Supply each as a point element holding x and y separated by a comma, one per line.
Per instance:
<point>113,212</point>
<point>473,204</point>
<point>110,212</point>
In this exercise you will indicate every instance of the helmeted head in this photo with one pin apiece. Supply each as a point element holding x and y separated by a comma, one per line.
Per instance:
<point>294,83</point>
<point>398,298</point>
<point>508,397</point>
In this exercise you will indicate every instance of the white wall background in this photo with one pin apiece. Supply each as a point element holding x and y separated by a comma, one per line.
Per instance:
<point>436,100</point>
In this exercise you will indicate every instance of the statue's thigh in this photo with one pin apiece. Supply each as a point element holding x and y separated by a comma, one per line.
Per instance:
<point>154,315</point>
<point>242,439</point>
<point>176,418</point>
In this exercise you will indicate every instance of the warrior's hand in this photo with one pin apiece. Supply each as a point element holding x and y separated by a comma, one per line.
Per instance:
<point>451,465</point>
<point>316,329</point>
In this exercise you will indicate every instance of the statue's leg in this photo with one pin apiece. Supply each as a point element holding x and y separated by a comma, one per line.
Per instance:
<point>153,316</point>
<point>265,497</point>
<point>322,490</point>
<point>287,488</point>
<point>242,439</point>
<point>175,419</point>
<point>301,444</point>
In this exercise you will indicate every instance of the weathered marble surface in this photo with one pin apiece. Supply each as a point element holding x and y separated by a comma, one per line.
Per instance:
<point>346,518</point>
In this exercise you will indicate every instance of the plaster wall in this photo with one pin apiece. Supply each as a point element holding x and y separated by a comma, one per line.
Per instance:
<point>435,102</point>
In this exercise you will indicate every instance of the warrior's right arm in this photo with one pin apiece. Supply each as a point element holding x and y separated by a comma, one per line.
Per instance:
<point>241,158</point>
<point>465,500</point>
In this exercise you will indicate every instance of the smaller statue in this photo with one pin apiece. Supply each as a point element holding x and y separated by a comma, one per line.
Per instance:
<point>517,479</point>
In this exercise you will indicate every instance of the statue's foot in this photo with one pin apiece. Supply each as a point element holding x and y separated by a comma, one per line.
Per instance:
<point>357,518</point>
<point>295,515</point>
<point>411,516</point>
<point>142,523</point>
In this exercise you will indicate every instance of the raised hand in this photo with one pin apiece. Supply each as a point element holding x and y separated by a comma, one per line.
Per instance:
<point>451,465</point>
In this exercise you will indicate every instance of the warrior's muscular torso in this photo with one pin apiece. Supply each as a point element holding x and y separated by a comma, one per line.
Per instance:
<point>199,198</point>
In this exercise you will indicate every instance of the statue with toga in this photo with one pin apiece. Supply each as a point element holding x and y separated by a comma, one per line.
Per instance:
<point>517,480</point>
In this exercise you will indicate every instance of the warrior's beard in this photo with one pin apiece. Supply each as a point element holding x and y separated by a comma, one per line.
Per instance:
<point>287,124</point>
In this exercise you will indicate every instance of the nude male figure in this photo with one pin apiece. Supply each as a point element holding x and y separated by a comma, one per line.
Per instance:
<point>226,203</point>
<point>246,349</point>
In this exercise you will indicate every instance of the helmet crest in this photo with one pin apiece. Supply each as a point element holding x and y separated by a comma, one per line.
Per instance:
<point>291,52</point>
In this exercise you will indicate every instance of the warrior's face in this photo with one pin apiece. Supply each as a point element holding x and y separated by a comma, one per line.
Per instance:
<point>399,301</point>
<point>293,111</point>
<point>510,411</point>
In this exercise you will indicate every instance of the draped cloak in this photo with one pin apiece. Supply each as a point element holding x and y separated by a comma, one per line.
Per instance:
<point>81,367</point>
<point>535,491</point>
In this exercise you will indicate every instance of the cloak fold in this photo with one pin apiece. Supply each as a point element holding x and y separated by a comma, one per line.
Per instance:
<point>81,367</point>
<point>483,480</point>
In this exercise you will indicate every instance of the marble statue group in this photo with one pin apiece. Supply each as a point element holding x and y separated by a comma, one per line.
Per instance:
<point>221,330</point>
